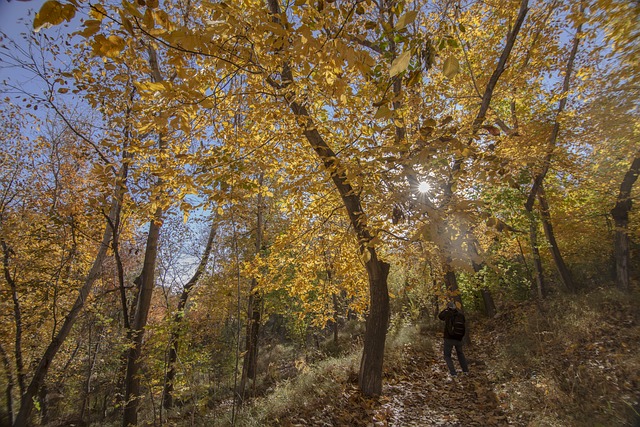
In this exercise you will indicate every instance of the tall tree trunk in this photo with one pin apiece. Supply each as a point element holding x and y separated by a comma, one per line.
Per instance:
<point>17,315</point>
<point>167,392</point>
<point>45,361</point>
<point>538,179</point>
<point>489,303</point>
<point>147,281</point>
<point>6,364</point>
<point>132,378</point>
<point>620,214</point>
<point>253,308</point>
<point>91,363</point>
<point>250,359</point>
<point>545,215</point>
<point>539,286</point>
<point>370,375</point>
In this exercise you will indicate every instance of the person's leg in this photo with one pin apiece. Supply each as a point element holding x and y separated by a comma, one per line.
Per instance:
<point>448,346</point>
<point>461,359</point>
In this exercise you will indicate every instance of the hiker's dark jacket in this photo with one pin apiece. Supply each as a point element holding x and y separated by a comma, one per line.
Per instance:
<point>446,316</point>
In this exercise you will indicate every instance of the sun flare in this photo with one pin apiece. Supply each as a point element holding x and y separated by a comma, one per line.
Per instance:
<point>424,187</point>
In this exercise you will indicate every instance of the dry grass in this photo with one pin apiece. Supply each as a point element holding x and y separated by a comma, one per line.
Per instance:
<point>574,362</point>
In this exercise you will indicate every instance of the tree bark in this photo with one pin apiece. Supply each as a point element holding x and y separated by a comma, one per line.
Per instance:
<point>538,179</point>
<point>132,378</point>
<point>489,303</point>
<point>167,392</point>
<point>539,286</point>
<point>370,375</point>
<point>545,215</point>
<point>147,281</point>
<point>620,214</point>
<point>250,361</point>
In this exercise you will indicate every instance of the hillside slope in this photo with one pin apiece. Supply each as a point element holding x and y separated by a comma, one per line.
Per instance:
<point>570,362</point>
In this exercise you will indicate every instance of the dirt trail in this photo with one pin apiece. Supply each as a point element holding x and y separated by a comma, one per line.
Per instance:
<point>425,395</point>
<point>416,392</point>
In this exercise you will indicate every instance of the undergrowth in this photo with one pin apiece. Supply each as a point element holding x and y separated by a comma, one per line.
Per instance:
<point>571,362</point>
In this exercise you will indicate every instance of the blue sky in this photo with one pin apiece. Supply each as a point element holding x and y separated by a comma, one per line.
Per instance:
<point>16,17</point>
<point>14,14</point>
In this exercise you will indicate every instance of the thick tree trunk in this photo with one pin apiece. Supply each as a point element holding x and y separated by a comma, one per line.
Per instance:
<point>370,377</point>
<point>45,362</point>
<point>132,378</point>
<point>489,304</point>
<point>371,364</point>
<point>167,392</point>
<point>147,281</point>
<point>250,360</point>
<point>620,213</point>
<point>539,286</point>
<point>545,215</point>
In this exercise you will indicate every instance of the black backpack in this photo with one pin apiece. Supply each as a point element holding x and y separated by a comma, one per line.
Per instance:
<point>455,326</point>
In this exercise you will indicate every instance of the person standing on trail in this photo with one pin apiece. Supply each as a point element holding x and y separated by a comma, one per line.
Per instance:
<point>454,330</point>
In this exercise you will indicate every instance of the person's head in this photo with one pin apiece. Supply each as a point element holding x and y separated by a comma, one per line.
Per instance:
<point>451,305</point>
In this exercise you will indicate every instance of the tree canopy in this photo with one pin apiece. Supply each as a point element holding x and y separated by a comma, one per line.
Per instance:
<point>314,161</point>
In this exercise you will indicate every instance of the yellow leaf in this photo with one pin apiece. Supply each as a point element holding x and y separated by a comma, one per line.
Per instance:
<point>406,19</point>
<point>400,64</point>
<point>383,112</point>
<point>53,13</point>
<point>148,20</point>
<point>107,46</point>
<point>149,86</point>
<point>451,67</point>
<point>97,12</point>
<point>91,26</point>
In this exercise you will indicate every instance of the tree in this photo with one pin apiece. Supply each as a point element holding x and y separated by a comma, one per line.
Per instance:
<point>167,392</point>
<point>620,214</point>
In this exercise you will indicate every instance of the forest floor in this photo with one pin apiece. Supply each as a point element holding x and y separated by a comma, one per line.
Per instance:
<point>566,364</point>
<point>417,392</point>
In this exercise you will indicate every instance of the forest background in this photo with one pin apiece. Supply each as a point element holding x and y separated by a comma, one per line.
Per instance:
<point>200,200</point>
